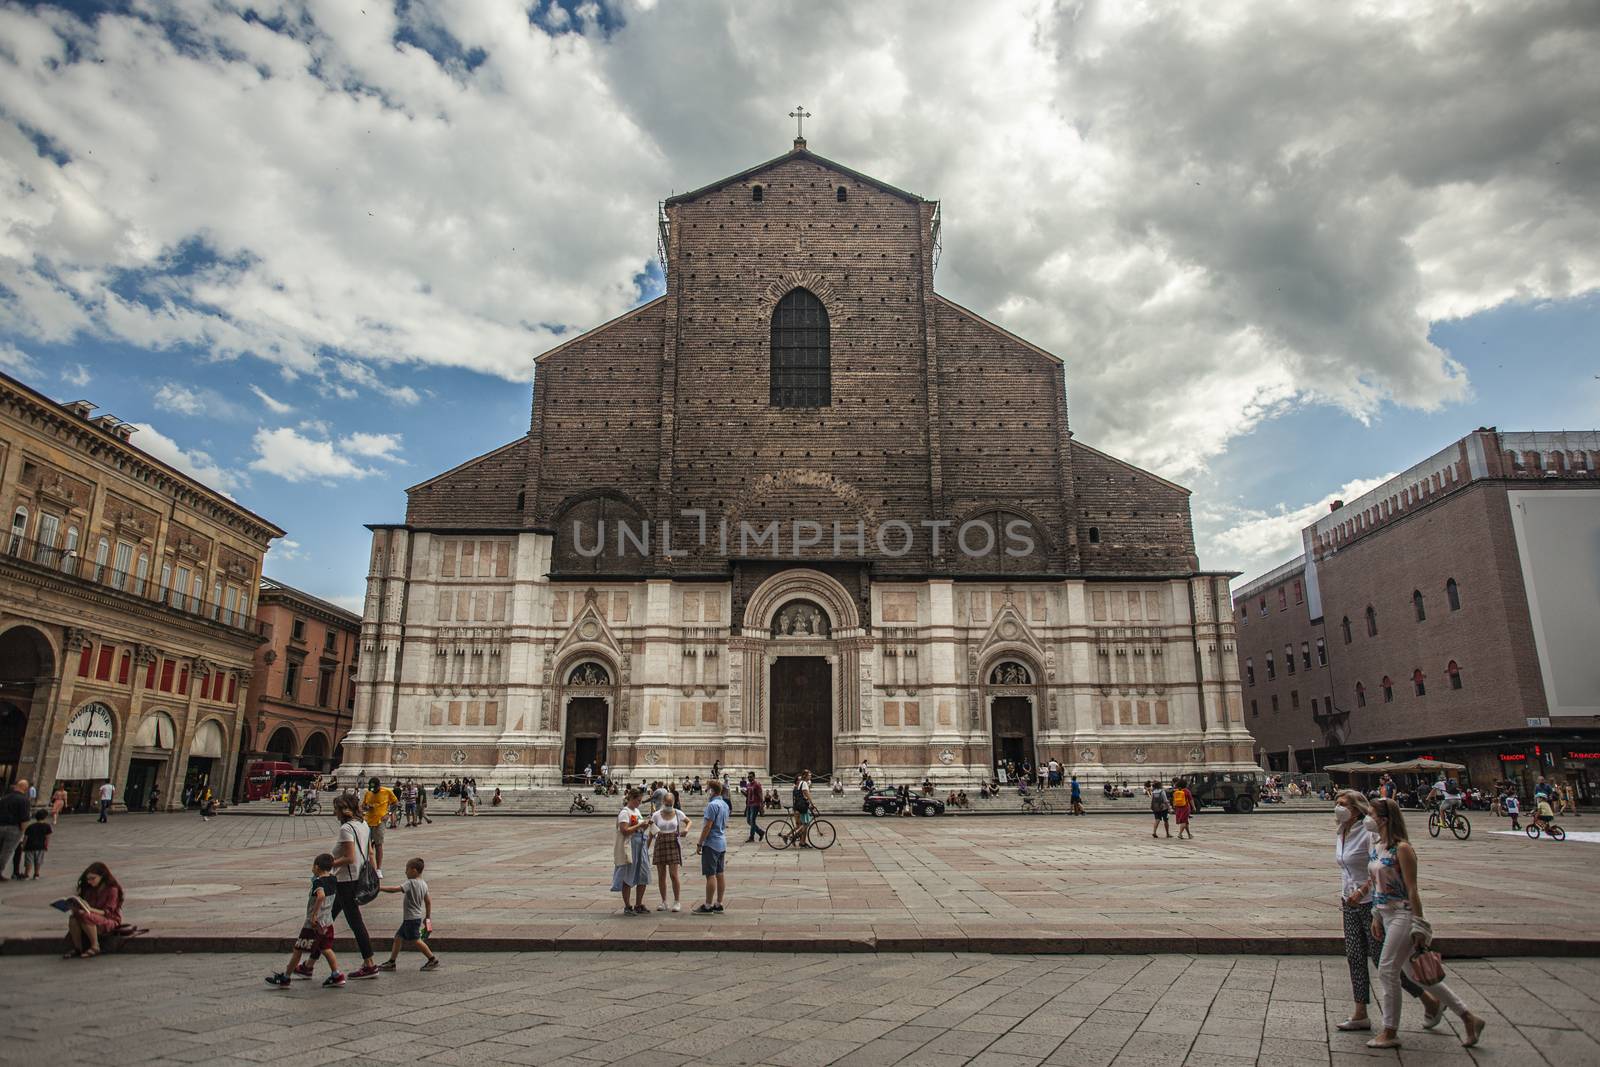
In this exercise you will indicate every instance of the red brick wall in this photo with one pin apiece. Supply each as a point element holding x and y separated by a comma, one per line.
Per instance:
<point>1257,635</point>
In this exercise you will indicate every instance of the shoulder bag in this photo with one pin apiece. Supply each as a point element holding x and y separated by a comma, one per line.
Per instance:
<point>366,890</point>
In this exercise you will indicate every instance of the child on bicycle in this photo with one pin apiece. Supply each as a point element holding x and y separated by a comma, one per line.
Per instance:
<point>1545,815</point>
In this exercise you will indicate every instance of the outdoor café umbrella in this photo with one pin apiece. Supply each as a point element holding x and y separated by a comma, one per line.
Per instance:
<point>1359,768</point>
<point>1422,766</point>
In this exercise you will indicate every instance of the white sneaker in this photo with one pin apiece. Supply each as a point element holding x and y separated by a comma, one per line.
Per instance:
<point>676,906</point>
<point>661,907</point>
<point>1430,1019</point>
<point>380,874</point>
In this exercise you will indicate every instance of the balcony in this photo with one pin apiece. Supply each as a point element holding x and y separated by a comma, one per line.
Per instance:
<point>38,557</point>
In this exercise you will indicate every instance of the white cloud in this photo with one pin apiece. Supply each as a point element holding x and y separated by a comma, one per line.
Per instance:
<point>349,601</point>
<point>1255,541</point>
<point>16,362</point>
<point>284,452</point>
<point>1223,211</point>
<point>180,399</point>
<point>284,550</point>
<point>277,407</point>
<point>193,462</point>
<point>77,375</point>
<point>372,445</point>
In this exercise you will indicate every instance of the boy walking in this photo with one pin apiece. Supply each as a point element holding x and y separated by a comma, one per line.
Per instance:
<point>1513,808</point>
<point>713,849</point>
<point>35,839</point>
<point>416,917</point>
<point>316,936</point>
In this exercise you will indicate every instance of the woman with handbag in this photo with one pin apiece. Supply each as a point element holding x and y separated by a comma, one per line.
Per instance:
<point>353,874</point>
<point>1398,919</point>
<point>1352,847</point>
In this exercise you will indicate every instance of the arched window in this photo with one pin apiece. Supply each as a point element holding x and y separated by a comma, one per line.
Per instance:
<point>840,195</point>
<point>1344,628</point>
<point>1419,682</point>
<point>102,552</point>
<point>19,530</point>
<point>69,551</point>
<point>1416,602</point>
<point>756,193</point>
<point>1288,658</point>
<point>1453,594</point>
<point>1250,671</point>
<point>1361,695</point>
<point>1094,535</point>
<point>1388,689</point>
<point>1454,671</point>
<point>1272,670</point>
<point>1372,622</point>
<point>800,368</point>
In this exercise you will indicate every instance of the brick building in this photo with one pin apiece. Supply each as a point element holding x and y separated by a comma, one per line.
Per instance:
<point>1448,612</point>
<point>303,690</point>
<point>798,511</point>
<point>127,600</point>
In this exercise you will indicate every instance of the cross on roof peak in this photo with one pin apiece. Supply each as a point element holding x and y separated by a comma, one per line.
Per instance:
<point>799,114</point>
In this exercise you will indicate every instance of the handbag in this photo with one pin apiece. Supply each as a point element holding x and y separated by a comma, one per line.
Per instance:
<point>1427,966</point>
<point>366,890</point>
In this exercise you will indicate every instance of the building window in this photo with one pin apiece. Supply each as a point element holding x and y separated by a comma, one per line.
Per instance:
<point>298,632</point>
<point>1288,658</point>
<point>102,552</point>
<point>800,369</point>
<point>1372,622</point>
<point>1322,649</point>
<point>19,530</point>
<point>180,587</point>
<point>1299,592</point>
<point>1294,700</point>
<point>216,599</point>
<point>230,601</point>
<point>1455,674</point>
<point>330,639</point>
<point>1453,594</point>
<point>1272,670</point>
<point>1263,606</point>
<point>1255,711</point>
<point>122,565</point>
<point>325,687</point>
<point>1344,628</point>
<point>1416,602</point>
<point>1250,671</point>
<point>1361,695</point>
<point>166,581</point>
<point>1305,655</point>
<point>1313,706</point>
<point>840,194</point>
<point>197,594</point>
<point>1417,680</point>
<point>291,679</point>
<point>1388,689</point>
<point>1274,701</point>
<point>49,527</point>
<point>1283,599</point>
<point>70,549</point>
<point>141,573</point>
<point>1094,535</point>
<point>756,193</point>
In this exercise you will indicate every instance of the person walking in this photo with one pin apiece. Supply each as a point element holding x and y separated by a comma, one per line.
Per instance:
<point>416,918</point>
<point>629,856</point>
<point>13,816</point>
<point>375,808</point>
<point>1077,797</point>
<point>422,806</point>
<point>349,856</point>
<point>107,791</point>
<point>58,804</point>
<point>754,799</point>
<point>1513,808</point>
<point>668,827</point>
<point>1352,847</point>
<point>1160,810</point>
<point>1182,806</point>
<point>713,850</point>
<point>1398,920</point>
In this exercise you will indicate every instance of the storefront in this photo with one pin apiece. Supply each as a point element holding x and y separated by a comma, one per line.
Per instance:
<point>152,752</point>
<point>1580,767</point>
<point>86,754</point>
<point>205,759</point>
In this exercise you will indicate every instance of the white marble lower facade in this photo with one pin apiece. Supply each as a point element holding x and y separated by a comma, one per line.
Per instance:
<point>474,662</point>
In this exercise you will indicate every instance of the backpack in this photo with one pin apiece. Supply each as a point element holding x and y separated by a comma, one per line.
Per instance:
<point>367,881</point>
<point>1180,798</point>
<point>1158,800</point>
<point>798,799</point>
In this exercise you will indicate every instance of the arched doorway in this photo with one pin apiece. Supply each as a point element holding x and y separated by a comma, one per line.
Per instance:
<point>204,771</point>
<point>801,735</point>
<point>281,745</point>
<point>314,756</point>
<point>1010,682</point>
<point>585,736</point>
<point>27,667</point>
<point>86,752</point>
<point>152,750</point>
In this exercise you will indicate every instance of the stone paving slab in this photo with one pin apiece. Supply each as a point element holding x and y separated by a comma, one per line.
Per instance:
<point>1004,884</point>
<point>791,1009</point>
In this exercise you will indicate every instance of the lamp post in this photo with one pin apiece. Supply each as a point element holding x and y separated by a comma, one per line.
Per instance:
<point>1313,755</point>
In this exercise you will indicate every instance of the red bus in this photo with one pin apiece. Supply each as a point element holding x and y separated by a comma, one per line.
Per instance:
<point>264,778</point>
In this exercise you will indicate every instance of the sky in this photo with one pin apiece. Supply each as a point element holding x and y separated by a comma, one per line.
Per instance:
<point>311,248</point>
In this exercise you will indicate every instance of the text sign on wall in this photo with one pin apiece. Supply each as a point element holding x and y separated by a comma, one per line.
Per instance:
<point>91,726</point>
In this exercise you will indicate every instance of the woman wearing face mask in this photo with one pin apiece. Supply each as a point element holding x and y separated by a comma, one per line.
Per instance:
<point>1398,919</point>
<point>1352,847</point>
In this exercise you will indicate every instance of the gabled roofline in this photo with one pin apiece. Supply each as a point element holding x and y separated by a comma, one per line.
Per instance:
<point>467,463</point>
<point>1023,341</point>
<point>798,153</point>
<point>630,313</point>
<point>1185,490</point>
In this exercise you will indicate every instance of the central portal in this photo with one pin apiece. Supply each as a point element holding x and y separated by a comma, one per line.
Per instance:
<point>586,737</point>
<point>1012,719</point>
<point>802,716</point>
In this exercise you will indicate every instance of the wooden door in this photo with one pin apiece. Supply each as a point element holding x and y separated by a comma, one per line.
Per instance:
<point>801,728</point>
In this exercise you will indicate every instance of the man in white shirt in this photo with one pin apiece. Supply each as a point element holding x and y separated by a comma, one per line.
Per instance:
<point>107,791</point>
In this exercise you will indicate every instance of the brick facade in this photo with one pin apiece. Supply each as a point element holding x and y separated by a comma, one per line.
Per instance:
<point>490,599</point>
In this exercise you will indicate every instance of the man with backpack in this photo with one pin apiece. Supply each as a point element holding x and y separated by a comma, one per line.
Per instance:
<point>1182,807</point>
<point>1159,810</point>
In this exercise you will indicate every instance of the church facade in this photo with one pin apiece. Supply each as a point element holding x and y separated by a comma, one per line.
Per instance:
<point>797,512</point>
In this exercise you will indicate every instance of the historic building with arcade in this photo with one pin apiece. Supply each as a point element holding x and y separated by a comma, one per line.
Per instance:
<point>797,512</point>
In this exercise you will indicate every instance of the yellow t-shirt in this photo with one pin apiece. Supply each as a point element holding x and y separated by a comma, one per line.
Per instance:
<point>1545,810</point>
<point>378,804</point>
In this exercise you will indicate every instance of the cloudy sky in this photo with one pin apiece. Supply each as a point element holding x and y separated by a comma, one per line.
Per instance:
<point>312,247</point>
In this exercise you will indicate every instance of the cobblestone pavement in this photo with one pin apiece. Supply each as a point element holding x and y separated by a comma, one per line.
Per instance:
<point>800,1010</point>
<point>973,878</point>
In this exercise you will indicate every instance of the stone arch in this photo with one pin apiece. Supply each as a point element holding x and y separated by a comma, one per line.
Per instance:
<point>599,513</point>
<point>783,483</point>
<point>788,281</point>
<point>317,746</point>
<point>587,730</point>
<point>801,583</point>
<point>283,742</point>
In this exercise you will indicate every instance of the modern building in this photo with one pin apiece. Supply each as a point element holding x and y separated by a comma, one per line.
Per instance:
<point>127,604</point>
<point>797,512</point>
<point>303,689</point>
<point>1449,612</point>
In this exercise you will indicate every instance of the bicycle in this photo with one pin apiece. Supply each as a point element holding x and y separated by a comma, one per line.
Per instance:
<point>1038,804</point>
<point>781,833</point>
<point>1458,823</point>
<point>580,804</point>
<point>1556,833</point>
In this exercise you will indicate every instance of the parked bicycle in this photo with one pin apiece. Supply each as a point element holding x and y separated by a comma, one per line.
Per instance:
<point>1457,822</point>
<point>1038,804</point>
<point>818,833</point>
<point>580,804</point>
<point>1556,833</point>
